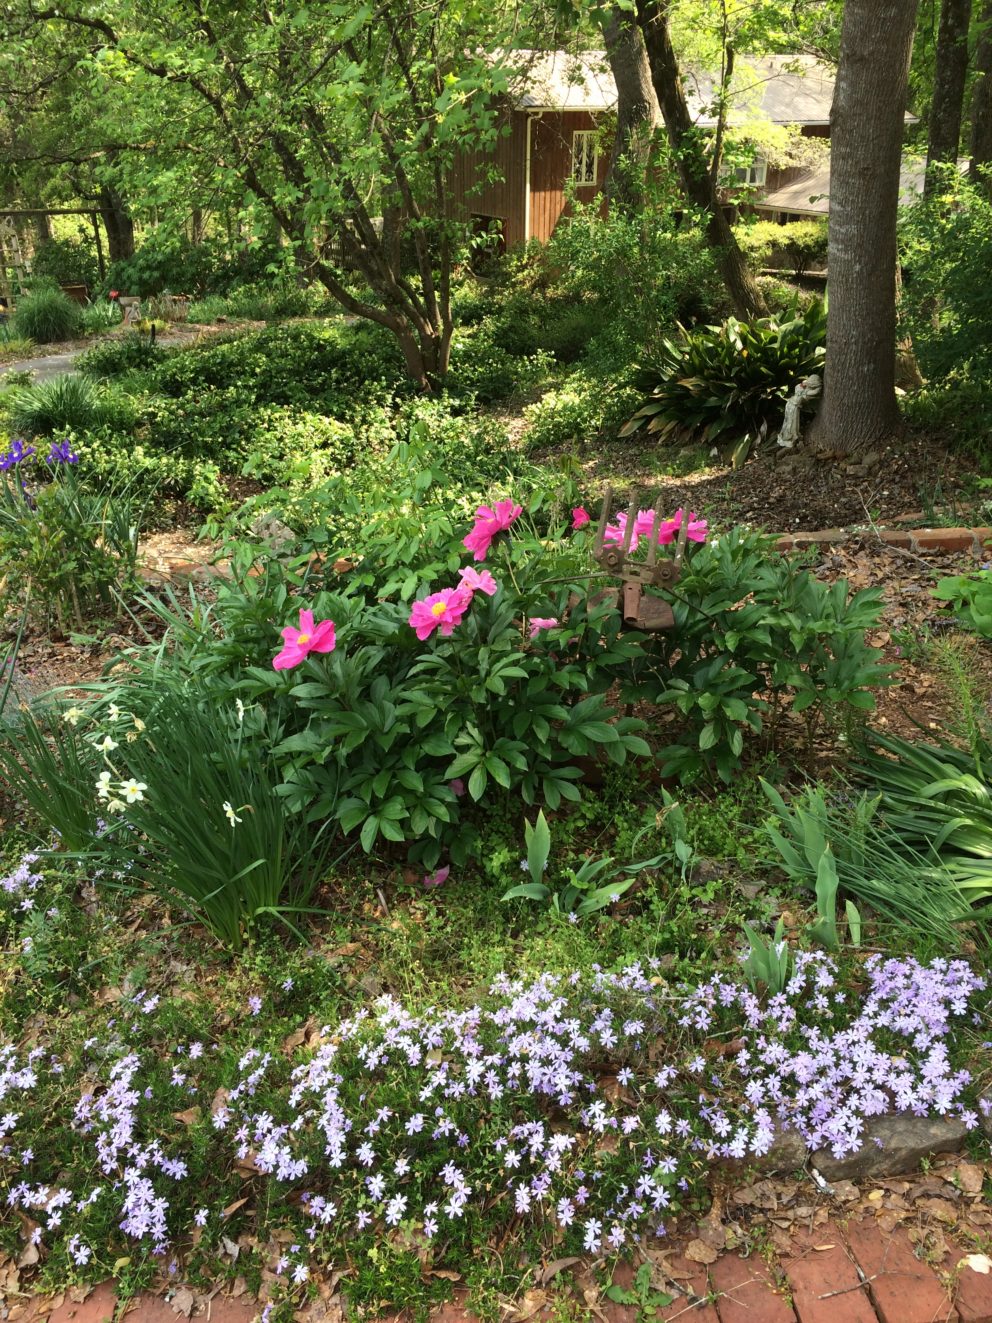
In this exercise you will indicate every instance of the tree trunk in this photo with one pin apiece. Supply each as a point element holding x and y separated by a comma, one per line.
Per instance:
<point>119,225</point>
<point>43,225</point>
<point>981,97</point>
<point>689,153</point>
<point>859,407</point>
<point>638,114</point>
<point>950,74</point>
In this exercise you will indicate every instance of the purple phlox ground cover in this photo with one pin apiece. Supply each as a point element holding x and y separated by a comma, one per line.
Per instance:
<point>590,1104</point>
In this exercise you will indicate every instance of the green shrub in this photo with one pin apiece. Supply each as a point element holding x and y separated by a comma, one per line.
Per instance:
<point>581,410</point>
<point>946,301</point>
<point>798,245</point>
<point>111,457</point>
<point>67,262</point>
<point>732,378</point>
<point>47,316</point>
<point>115,357</point>
<point>62,404</point>
<point>934,799</point>
<point>169,262</point>
<point>484,371</point>
<point>757,637</point>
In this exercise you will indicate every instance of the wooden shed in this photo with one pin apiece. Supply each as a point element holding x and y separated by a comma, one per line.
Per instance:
<point>551,134</point>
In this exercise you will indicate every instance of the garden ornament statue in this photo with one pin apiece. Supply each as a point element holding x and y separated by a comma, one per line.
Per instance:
<point>806,390</point>
<point>642,611</point>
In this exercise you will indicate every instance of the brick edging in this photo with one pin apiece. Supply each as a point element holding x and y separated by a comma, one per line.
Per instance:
<point>975,540</point>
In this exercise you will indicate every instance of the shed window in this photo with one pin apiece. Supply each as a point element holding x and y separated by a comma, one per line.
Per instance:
<point>585,156</point>
<point>753,175</point>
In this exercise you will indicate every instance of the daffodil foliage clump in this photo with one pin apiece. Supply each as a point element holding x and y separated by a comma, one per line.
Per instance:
<point>586,1107</point>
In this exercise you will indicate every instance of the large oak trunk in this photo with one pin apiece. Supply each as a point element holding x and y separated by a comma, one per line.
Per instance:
<point>637,111</point>
<point>687,148</point>
<point>981,96</point>
<point>948,89</point>
<point>866,130</point>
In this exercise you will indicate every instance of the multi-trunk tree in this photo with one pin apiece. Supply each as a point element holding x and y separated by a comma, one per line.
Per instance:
<point>324,116</point>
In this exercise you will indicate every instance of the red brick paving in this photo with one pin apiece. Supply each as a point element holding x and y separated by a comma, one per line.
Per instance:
<point>973,1290</point>
<point>823,1266</point>
<point>746,1292</point>
<point>903,1288</point>
<point>692,1278</point>
<point>900,1289</point>
<point>98,1307</point>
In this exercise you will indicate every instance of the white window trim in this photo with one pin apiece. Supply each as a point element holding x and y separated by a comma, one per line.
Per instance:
<point>585,135</point>
<point>756,174</point>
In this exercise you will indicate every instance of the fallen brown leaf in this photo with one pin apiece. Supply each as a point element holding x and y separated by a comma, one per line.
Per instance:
<point>699,1252</point>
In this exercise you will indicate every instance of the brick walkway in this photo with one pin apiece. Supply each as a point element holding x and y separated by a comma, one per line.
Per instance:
<point>835,1274</point>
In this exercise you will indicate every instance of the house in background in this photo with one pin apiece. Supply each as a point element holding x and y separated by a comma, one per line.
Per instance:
<point>550,139</point>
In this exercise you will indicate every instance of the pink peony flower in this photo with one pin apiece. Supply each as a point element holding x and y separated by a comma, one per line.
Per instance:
<point>443,610</point>
<point>478,582</point>
<point>537,623</point>
<point>580,517</point>
<point>436,878</point>
<point>299,643</point>
<point>667,528</point>
<point>457,787</point>
<point>489,522</point>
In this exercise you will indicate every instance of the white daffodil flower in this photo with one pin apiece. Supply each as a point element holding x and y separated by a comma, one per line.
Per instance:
<point>103,786</point>
<point>113,712</point>
<point>232,817</point>
<point>73,715</point>
<point>132,790</point>
<point>106,745</point>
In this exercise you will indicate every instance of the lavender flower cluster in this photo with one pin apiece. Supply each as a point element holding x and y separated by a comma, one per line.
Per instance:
<point>589,1103</point>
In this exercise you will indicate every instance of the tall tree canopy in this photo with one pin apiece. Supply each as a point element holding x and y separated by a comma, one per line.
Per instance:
<point>325,115</point>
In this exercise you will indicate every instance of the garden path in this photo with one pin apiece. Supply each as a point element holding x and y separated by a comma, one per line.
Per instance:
<point>57,363</point>
<point>836,1273</point>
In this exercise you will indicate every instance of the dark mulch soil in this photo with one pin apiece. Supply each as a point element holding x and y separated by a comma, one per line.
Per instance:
<point>783,491</point>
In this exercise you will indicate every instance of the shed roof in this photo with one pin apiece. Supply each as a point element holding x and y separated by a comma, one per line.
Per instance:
<point>787,89</point>
<point>809,195</point>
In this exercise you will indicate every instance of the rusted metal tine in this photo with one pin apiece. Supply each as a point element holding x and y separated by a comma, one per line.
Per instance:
<point>603,520</point>
<point>628,532</point>
<point>655,526</point>
<point>683,534</point>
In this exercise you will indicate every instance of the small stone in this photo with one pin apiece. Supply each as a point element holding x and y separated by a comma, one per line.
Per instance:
<point>904,1141</point>
<point>786,1155</point>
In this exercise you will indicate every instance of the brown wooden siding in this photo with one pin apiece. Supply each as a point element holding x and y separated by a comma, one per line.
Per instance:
<point>551,169</point>
<point>490,182</point>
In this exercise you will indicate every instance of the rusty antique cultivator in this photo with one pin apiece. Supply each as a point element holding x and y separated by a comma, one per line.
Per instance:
<point>639,609</point>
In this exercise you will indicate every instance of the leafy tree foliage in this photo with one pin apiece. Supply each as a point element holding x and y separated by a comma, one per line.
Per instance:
<point>324,116</point>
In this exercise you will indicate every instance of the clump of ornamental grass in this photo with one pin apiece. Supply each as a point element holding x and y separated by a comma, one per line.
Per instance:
<point>588,1107</point>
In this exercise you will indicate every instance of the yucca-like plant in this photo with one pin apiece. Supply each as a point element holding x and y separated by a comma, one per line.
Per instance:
<point>733,378</point>
<point>64,404</point>
<point>47,316</point>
